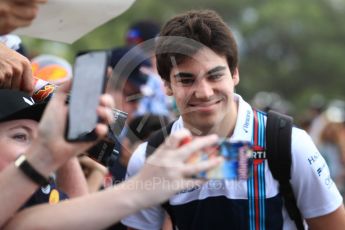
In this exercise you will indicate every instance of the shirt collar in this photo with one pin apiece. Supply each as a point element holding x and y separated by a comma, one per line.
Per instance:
<point>244,124</point>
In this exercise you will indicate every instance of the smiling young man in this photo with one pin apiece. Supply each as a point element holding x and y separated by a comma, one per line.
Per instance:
<point>203,88</point>
<point>197,59</point>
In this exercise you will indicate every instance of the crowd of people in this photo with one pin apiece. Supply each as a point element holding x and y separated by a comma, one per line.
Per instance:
<point>182,75</point>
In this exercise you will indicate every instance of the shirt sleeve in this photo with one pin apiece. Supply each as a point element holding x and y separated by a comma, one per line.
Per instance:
<point>150,218</point>
<point>315,191</point>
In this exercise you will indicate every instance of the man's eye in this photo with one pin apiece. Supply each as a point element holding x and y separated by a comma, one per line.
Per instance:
<point>215,76</point>
<point>21,137</point>
<point>186,81</point>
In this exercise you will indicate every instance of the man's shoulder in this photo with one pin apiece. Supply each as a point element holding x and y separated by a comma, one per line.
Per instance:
<point>137,160</point>
<point>301,140</point>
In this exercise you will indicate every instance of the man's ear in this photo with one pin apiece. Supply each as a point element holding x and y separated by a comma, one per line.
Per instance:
<point>168,90</point>
<point>236,76</point>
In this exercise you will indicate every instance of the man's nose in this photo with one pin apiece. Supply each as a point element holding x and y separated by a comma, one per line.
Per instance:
<point>203,89</point>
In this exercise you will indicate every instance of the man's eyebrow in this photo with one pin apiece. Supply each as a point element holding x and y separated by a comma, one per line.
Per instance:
<point>190,75</point>
<point>184,75</point>
<point>22,126</point>
<point>216,69</point>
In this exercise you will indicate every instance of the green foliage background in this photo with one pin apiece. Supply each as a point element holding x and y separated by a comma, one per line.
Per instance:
<point>295,48</point>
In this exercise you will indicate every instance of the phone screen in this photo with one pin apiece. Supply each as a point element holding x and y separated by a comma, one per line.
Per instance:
<point>88,84</point>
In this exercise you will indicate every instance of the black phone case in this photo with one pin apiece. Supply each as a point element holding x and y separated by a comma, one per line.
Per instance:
<point>91,135</point>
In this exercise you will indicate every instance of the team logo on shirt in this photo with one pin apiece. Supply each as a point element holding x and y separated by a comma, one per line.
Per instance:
<point>259,152</point>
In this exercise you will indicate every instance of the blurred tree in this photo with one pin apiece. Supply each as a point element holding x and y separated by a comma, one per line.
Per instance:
<point>295,48</point>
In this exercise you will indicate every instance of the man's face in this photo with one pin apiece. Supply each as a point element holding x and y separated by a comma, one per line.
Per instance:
<point>127,99</point>
<point>203,89</point>
<point>15,138</point>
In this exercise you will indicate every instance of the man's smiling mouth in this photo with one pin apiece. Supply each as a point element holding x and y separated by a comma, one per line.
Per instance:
<point>204,104</point>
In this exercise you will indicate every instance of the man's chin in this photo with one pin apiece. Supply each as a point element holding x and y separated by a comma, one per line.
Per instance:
<point>201,126</point>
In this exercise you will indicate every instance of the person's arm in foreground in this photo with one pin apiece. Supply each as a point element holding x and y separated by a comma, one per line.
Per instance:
<point>94,172</point>
<point>47,153</point>
<point>71,180</point>
<point>163,174</point>
<point>17,13</point>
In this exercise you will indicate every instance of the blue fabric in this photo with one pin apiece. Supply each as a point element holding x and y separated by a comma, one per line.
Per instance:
<point>156,103</point>
<point>42,195</point>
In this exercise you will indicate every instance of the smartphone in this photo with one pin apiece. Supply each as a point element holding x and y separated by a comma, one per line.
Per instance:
<point>235,166</point>
<point>89,81</point>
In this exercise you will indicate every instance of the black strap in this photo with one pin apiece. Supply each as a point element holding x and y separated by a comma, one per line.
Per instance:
<point>278,152</point>
<point>157,138</point>
<point>169,209</point>
<point>29,171</point>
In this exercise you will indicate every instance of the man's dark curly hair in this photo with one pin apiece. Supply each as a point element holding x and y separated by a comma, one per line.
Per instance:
<point>184,35</point>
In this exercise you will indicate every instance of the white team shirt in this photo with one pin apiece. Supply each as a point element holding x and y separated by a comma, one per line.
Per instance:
<point>315,192</point>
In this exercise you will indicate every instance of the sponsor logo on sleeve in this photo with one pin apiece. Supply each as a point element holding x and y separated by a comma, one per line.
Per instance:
<point>246,122</point>
<point>320,167</point>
